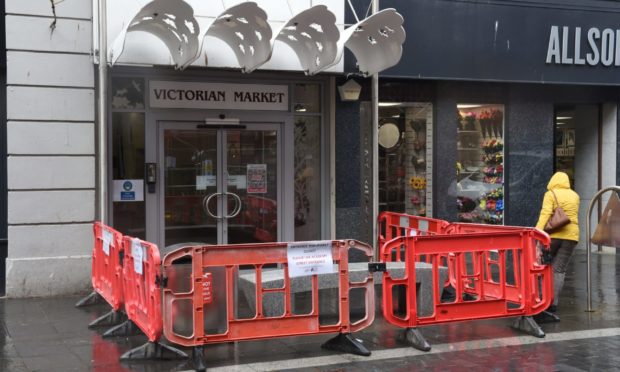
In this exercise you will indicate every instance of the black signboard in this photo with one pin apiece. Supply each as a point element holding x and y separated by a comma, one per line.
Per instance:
<point>526,41</point>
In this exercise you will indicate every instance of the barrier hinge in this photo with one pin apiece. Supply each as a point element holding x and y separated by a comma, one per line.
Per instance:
<point>161,281</point>
<point>373,267</point>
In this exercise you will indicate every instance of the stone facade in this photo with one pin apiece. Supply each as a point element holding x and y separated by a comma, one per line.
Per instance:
<point>51,146</point>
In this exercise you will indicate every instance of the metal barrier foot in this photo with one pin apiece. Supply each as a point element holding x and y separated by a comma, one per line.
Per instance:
<point>546,317</point>
<point>415,338</point>
<point>110,318</point>
<point>154,350</point>
<point>528,325</point>
<point>346,343</point>
<point>198,357</point>
<point>126,328</point>
<point>91,299</point>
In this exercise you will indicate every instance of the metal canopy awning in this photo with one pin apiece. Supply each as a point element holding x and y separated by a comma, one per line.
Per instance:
<point>173,22</point>
<point>376,42</point>
<point>312,34</point>
<point>245,29</point>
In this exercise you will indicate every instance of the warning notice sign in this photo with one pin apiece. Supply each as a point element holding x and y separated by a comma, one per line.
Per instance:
<point>309,258</point>
<point>256,178</point>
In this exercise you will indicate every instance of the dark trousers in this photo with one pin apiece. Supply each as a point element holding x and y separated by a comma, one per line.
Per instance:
<point>561,250</point>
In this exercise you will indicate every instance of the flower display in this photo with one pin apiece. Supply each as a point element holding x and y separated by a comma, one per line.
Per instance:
<point>494,158</point>
<point>491,123</point>
<point>469,116</point>
<point>481,172</point>
<point>417,183</point>
<point>467,120</point>
<point>492,145</point>
<point>494,115</point>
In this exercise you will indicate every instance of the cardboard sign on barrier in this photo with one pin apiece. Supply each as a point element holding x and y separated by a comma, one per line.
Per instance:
<point>107,240</point>
<point>137,253</point>
<point>309,258</point>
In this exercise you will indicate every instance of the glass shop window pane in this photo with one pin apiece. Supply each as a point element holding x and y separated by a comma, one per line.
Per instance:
<point>404,147</point>
<point>307,99</point>
<point>307,178</point>
<point>480,163</point>
<point>565,141</point>
<point>127,93</point>
<point>128,164</point>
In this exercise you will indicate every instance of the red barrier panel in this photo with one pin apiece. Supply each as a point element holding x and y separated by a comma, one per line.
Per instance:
<point>496,273</point>
<point>106,264</point>
<point>207,310</point>
<point>141,276</point>
<point>392,225</point>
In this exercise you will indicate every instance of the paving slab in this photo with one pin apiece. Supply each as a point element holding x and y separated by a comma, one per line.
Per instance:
<point>49,334</point>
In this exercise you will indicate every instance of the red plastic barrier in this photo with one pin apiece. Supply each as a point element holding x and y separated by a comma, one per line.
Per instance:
<point>392,225</point>
<point>142,288</point>
<point>469,228</point>
<point>485,287</point>
<point>106,264</point>
<point>213,293</point>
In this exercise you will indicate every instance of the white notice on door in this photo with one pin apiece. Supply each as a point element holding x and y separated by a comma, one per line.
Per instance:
<point>309,258</point>
<point>202,182</point>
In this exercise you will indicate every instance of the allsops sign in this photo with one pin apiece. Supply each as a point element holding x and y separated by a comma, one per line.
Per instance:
<point>174,94</point>
<point>592,46</point>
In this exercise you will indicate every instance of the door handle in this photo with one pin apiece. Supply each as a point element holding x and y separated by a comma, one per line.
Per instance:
<point>237,205</point>
<point>205,205</point>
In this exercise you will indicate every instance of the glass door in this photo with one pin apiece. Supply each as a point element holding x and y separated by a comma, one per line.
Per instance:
<point>220,184</point>
<point>251,192</point>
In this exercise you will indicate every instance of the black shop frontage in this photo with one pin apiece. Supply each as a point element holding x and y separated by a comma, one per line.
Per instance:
<point>488,100</point>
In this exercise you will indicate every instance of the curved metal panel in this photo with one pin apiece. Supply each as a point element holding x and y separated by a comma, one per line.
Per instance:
<point>245,29</point>
<point>313,36</point>
<point>376,41</point>
<point>173,22</point>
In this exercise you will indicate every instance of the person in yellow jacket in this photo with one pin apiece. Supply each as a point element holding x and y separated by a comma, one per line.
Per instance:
<point>564,239</point>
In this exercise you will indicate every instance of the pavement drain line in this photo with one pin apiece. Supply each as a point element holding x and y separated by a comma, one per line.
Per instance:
<point>410,352</point>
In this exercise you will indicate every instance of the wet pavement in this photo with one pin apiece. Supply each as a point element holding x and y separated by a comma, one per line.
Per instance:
<point>52,335</point>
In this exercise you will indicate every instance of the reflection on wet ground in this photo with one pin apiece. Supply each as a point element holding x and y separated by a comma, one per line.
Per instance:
<point>51,335</point>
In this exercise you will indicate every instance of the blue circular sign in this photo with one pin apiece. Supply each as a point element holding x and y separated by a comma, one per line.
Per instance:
<point>127,185</point>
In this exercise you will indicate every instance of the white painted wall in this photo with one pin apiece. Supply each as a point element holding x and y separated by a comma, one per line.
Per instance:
<point>51,147</point>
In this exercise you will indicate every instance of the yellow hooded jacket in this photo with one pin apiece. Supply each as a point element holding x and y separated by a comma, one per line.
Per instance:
<point>568,200</point>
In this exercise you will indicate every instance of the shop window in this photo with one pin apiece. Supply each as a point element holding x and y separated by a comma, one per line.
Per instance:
<point>565,142</point>
<point>307,161</point>
<point>307,99</point>
<point>480,163</point>
<point>404,155</point>
<point>127,93</point>
<point>128,173</point>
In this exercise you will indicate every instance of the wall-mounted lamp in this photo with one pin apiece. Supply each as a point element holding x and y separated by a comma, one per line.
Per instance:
<point>350,91</point>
